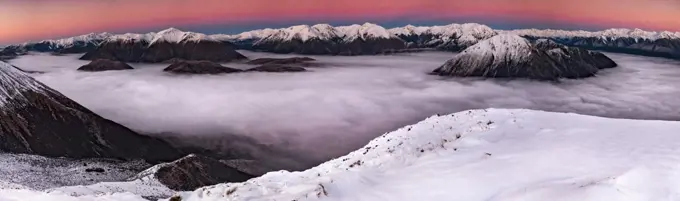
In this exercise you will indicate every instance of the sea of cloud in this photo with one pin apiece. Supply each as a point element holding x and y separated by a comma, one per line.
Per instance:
<point>340,106</point>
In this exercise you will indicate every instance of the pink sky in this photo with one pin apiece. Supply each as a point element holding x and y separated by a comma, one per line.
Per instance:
<point>23,20</point>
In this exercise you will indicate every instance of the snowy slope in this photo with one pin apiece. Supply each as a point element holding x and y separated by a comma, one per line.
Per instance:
<point>144,187</point>
<point>468,32</point>
<point>304,33</point>
<point>249,35</point>
<point>13,82</point>
<point>28,195</point>
<point>365,31</point>
<point>488,155</point>
<point>173,35</point>
<point>449,37</point>
<point>49,178</point>
<point>41,173</point>
<point>131,37</point>
<point>499,49</point>
<point>409,30</point>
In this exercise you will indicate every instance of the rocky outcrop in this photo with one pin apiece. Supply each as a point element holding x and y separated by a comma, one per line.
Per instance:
<point>570,56</point>
<point>195,171</point>
<point>7,54</point>
<point>105,65</point>
<point>511,56</point>
<point>167,45</point>
<point>277,68</point>
<point>251,167</point>
<point>199,67</point>
<point>35,119</point>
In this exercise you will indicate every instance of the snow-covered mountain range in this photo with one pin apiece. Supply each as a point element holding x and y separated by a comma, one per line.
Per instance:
<point>77,44</point>
<point>371,38</point>
<point>631,41</point>
<point>354,39</point>
<point>609,33</point>
<point>166,45</point>
<point>349,33</point>
<point>454,37</point>
<point>171,35</point>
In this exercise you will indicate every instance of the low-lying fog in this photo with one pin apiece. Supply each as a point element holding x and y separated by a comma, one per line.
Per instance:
<point>332,110</point>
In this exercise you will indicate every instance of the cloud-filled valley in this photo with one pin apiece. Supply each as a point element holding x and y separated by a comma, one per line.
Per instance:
<point>340,106</point>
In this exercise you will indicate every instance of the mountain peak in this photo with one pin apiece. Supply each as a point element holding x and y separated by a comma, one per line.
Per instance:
<point>368,24</point>
<point>171,30</point>
<point>502,44</point>
<point>173,35</point>
<point>365,31</point>
<point>301,32</point>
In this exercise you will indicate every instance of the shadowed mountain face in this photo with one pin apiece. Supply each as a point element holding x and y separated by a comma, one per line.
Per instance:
<point>195,171</point>
<point>511,56</point>
<point>334,46</point>
<point>145,52</point>
<point>277,68</point>
<point>7,54</point>
<point>293,60</point>
<point>199,67</point>
<point>36,119</point>
<point>105,65</point>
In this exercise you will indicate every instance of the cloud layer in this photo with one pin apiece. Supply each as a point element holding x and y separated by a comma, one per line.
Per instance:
<point>338,108</point>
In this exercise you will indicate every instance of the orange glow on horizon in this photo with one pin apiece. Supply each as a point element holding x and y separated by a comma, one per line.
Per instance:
<point>23,20</point>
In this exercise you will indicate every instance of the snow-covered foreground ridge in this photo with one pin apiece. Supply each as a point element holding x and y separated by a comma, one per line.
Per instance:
<point>476,155</point>
<point>494,154</point>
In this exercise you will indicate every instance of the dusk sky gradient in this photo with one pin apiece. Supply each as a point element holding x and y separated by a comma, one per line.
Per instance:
<point>31,20</point>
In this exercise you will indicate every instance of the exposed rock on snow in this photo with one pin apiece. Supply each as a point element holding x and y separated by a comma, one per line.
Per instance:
<point>483,155</point>
<point>320,39</point>
<point>199,67</point>
<point>194,171</point>
<point>42,173</point>
<point>166,45</point>
<point>609,33</point>
<point>36,119</point>
<point>453,37</point>
<point>631,41</point>
<point>277,68</point>
<point>511,56</point>
<point>251,167</point>
<point>24,194</point>
<point>105,65</point>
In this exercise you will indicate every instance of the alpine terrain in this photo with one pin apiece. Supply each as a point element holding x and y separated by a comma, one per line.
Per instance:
<point>511,56</point>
